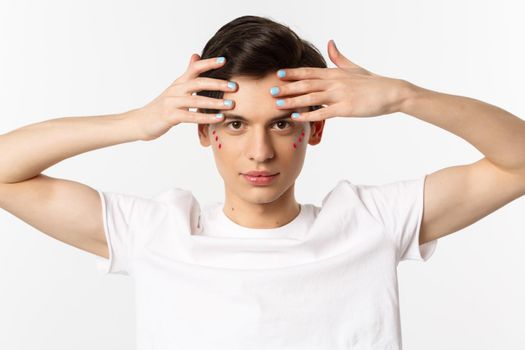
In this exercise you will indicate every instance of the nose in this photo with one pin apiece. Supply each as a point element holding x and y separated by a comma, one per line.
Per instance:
<point>259,147</point>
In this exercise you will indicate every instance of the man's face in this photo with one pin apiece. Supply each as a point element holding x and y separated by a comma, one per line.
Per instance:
<point>258,143</point>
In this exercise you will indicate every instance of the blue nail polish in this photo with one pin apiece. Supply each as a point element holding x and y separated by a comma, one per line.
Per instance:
<point>231,85</point>
<point>218,115</point>
<point>281,73</point>
<point>228,103</point>
<point>220,59</point>
<point>280,102</point>
<point>274,91</point>
<point>295,115</point>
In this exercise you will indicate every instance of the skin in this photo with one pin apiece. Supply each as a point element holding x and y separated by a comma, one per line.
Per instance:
<point>259,144</point>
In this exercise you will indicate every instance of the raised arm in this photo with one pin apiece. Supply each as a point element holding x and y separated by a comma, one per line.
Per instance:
<point>66,210</point>
<point>70,211</point>
<point>454,197</point>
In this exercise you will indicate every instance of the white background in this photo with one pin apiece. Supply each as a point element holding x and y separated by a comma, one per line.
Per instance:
<point>81,58</point>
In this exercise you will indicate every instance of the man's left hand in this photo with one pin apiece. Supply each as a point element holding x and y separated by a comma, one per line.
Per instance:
<point>346,91</point>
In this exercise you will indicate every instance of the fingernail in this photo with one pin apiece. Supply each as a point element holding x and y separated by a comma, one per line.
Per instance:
<point>232,85</point>
<point>280,102</point>
<point>228,103</point>
<point>218,116</point>
<point>281,73</point>
<point>274,91</point>
<point>220,59</point>
<point>295,115</point>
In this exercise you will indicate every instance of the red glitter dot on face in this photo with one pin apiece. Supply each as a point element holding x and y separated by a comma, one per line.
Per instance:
<point>216,138</point>
<point>294,145</point>
<point>299,139</point>
<point>220,145</point>
<point>213,132</point>
<point>302,133</point>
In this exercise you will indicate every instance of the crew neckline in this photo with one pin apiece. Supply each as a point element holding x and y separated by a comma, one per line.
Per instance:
<point>284,227</point>
<point>229,228</point>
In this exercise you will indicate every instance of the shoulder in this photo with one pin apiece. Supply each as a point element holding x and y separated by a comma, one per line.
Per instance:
<point>388,190</point>
<point>143,209</point>
<point>380,200</point>
<point>174,196</point>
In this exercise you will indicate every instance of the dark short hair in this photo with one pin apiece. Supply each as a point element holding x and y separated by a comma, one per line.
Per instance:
<point>256,46</point>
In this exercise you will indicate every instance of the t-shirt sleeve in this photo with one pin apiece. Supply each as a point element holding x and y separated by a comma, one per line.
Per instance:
<point>132,222</point>
<point>400,207</point>
<point>120,214</point>
<point>117,211</point>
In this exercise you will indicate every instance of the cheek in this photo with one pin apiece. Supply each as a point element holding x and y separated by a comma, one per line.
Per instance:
<point>299,138</point>
<point>216,139</point>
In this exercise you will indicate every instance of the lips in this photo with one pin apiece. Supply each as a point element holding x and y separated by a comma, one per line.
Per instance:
<point>260,180</point>
<point>258,173</point>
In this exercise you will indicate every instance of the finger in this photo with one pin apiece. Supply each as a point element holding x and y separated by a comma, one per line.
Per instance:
<point>212,84</point>
<point>202,102</point>
<point>204,65</point>
<point>319,114</point>
<point>185,77</point>
<point>338,58</point>
<point>311,99</point>
<point>299,87</point>
<point>198,118</point>
<point>305,73</point>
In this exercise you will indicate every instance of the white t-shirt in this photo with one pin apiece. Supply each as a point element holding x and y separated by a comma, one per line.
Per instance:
<point>326,280</point>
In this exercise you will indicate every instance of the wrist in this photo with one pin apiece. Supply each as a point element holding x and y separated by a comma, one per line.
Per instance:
<point>408,95</point>
<point>130,119</point>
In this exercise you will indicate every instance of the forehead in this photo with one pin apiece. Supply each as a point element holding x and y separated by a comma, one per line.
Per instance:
<point>254,88</point>
<point>253,97</point>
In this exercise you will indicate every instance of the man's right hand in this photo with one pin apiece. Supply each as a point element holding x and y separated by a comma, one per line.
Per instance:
<point>172,106</point>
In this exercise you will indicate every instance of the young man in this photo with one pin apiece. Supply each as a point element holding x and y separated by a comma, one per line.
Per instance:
<point>261,271</point>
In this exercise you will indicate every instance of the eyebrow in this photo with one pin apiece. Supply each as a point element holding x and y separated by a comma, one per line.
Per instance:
<point>240,117</point>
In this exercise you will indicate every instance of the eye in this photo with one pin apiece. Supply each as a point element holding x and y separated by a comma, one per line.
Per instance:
<point>279,122</point>
<point>230,123</point>
<point>282,121</point>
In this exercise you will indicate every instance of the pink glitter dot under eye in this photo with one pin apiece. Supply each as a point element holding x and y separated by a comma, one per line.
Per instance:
<point>216,139</point>
<point>300,139</point>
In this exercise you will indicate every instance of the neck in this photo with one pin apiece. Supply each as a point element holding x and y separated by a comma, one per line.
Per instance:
<point>262,215</point>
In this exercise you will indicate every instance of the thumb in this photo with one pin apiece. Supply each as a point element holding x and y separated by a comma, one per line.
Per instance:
<point>338,58</point>
<point>194,57</point>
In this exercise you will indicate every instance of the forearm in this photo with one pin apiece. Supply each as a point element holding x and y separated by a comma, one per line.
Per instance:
<point>27,151</point>
<point>496,133</point>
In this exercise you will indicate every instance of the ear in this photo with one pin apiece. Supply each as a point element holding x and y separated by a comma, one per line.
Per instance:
<point>316,132</point>
<point>203,132</point>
